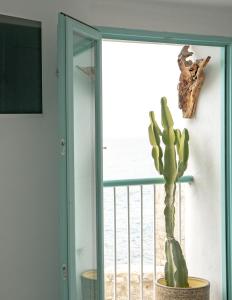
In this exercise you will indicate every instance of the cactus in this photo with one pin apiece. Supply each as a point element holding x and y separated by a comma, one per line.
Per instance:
<point>175,147</point>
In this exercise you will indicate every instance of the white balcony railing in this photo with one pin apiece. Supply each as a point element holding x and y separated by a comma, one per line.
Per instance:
<point>134,235</point>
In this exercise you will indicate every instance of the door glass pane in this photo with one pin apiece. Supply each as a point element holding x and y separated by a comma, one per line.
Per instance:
<point>84,165</point>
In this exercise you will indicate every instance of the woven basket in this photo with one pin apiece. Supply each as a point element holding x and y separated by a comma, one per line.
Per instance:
<point>198,290</point>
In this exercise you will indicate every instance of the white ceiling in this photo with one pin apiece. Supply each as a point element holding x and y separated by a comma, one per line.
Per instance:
<point>219,3</point>
<point>205,4</point>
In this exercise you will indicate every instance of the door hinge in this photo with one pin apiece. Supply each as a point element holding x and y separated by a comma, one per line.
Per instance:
<point>62,147</point>
<point>57,72</point>
<point>64,271</point>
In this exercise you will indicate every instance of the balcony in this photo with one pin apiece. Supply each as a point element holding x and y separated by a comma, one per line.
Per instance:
<point>134,235</point>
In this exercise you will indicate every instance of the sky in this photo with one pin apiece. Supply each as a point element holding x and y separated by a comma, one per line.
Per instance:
<point>135,77</point>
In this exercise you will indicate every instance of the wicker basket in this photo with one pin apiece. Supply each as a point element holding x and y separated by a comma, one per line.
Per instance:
<point>198,290</point>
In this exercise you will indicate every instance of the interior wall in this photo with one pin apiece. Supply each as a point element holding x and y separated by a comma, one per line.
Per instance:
<point>29,144</point>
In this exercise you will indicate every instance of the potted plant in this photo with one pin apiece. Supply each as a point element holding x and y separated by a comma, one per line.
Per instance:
<point>176,284</point>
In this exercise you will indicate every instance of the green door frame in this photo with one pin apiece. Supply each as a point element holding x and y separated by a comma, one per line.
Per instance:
<point>226,125</point>
<point>66,26</point>
<point>226,149</point>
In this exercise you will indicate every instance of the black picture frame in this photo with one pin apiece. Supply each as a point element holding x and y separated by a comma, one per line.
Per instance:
<point>20,66</point>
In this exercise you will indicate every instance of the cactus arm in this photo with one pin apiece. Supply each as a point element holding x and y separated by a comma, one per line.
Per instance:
<point>157,159</point>
<point>177,140</point>
<point>170,166</point>
<point>183,153</point>
<point>169,138</point>
<point>167,121</point>
<point>154,123</point>
<point>154,136</point>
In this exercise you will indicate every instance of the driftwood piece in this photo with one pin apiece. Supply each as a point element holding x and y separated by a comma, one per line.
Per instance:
<point>190,82</point>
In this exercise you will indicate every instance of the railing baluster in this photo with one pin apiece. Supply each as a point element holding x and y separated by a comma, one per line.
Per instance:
<point>115,246</point>
<point>129,254</point>
<point>142,249</point>
<point>141,242</point>
<point>180,214</point>
<point>154,234</point>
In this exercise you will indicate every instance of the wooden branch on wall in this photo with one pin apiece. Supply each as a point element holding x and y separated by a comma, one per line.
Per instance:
<point>190,82</point>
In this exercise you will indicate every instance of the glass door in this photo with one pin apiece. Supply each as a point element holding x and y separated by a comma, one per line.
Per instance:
<point>80,149</point>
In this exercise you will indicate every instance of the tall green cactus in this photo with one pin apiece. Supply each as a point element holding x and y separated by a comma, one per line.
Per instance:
<point>175,146</point>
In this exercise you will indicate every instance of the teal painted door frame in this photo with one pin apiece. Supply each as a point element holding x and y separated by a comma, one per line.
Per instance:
<point>226,125</point>
<point>63,206</point>
<point>226,172</point>
<point>66,50</point>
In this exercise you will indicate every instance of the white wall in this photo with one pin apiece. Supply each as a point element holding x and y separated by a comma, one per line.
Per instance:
<point>29,151</point>
<point>203,199</point>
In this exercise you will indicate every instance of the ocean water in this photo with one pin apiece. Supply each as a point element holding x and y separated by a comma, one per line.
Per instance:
<point>131,159</point>
<point>128,159</point>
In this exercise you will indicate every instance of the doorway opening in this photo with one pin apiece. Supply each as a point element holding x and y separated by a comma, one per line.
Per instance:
<point>135,76</point>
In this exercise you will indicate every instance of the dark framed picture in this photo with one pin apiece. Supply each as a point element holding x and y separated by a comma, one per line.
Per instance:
<point>20,66</point>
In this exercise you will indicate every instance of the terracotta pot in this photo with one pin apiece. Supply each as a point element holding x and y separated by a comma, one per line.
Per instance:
<point>198,290</point>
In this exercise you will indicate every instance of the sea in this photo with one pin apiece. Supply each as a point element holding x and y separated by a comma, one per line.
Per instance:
<point>128,158</point>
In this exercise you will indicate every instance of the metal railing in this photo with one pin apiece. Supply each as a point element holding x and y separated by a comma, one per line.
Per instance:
<point>140,184</point>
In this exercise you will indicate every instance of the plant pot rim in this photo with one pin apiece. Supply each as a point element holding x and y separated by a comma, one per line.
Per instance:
<point>89,274</point>
<point>204,283</point>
